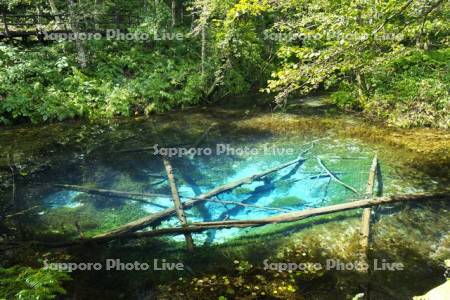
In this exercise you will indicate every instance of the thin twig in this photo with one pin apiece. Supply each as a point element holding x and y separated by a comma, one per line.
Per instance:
<point>22,212</point>
<point>335,178</point>
<point>12,168</point>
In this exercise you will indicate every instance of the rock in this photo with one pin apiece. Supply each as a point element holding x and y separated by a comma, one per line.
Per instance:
<point>441,292</point>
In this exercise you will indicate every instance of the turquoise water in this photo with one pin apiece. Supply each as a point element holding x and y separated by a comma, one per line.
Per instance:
<point>297,187</point>
<point>97,156</point>
<point>100,157</point>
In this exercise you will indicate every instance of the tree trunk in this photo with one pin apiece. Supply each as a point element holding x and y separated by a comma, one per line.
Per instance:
<point>203,49</point>
<point>335,178</point>
<point>174,13</point>
<point>55,12</point>
<point>365,223</point>
<point>361,86</point>
<point>177,203</point>
<point>299,215</point>
<point>81,51</point>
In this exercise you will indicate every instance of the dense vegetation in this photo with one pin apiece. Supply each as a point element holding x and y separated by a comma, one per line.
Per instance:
<point>28,283</point>
<point>389,59</point>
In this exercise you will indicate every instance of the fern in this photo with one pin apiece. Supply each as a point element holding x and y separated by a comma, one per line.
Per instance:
<point>20,282</point>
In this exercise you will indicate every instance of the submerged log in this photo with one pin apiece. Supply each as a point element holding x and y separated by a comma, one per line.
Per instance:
<point>203,136</point>
<point>248,205</point>
<point>23,212</point>
<point>177,203</point>
<point>335,178</point>
<point>194,145</point>
<point>138,197</point>
<point>131,195</point>
<point>298,215</point>
<point>175,196</point>
<point>365,224</point>
<point>159,216</point>
<point>188,177</point>
<point>282,218</point>
<point>367,212</point>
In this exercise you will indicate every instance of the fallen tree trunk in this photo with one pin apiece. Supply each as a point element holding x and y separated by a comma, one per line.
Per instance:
<point>282,218</point>
<point>248,205</point>
<point>194,145</point>
<point>203,136</point>
<point>365,225</point>
<point>298,215</point>
<point>175,195</point>
<point>104,192</point>
<point>113,194</point>
<point>177,203</point>
<point>159,216</point>
<point>22,212</point>
<point>367,212</point>
<point>131,195</point>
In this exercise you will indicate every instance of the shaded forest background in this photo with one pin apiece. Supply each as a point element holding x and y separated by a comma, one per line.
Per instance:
<point>386,58</point>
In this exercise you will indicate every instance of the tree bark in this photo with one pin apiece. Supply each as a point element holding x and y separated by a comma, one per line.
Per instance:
<point>174,13</point>
<point>299,215</point>
<point>367,212</point>
<point>177,203</point>
<point>203,54</point>
<point>55,12</point>
<point>81,51</point>
<point>141,196</point>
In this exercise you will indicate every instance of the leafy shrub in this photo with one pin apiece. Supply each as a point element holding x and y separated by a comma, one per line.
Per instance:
<point>345,99</point>
<point>412,90</point>
<point>28,283</point>
<point>47,85</point>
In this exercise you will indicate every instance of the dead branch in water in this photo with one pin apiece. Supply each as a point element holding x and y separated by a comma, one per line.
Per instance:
<point>282,218</point>
<point>203,136</point>
<point>335,178</point>
<point>177,202</point>
<point>159,216</point>
<point>130,195</point>
<point>22,212</point>
<point>298,215</point>
<point>194,145</point>
<point>366,217</point>
<point>248,205</point>
<point>138,197</point>
<point>366,220</point>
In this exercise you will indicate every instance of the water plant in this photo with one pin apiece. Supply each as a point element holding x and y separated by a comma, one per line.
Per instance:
<point>288,201</point>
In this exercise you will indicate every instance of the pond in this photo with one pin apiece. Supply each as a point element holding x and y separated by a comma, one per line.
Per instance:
<point>229,145</point>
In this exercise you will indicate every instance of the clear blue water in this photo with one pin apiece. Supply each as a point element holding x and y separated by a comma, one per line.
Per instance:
<point>297,187</point>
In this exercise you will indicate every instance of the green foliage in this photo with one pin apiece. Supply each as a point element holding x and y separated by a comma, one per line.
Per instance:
<point>387,58</point>
<point>412,89</point>
<point>344,99</point>
<point>47,85</point>
<point>327,44</point>
<point>27,283</point>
